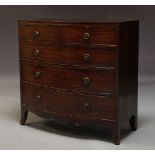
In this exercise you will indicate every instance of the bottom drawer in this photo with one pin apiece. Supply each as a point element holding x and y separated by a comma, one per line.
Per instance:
<point>66,105</point>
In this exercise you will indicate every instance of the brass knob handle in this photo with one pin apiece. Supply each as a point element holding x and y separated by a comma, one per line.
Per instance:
<point>37,99</point>
<point>86,57</point>
<point>36,34</point>
<point>37,74</point>
<point>86,106</point>
<point>36,53</point>
<point>86,80</point>
<point>86,36</point>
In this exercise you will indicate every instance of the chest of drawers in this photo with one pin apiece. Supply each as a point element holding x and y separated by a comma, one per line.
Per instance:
<point>82,72</point>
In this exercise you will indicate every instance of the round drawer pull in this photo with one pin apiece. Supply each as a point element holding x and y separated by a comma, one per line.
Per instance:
<point>36,53</point>
<point>86,57</point>
<point>37,74</point>
<point>86,80</point>
<point>86,36</point>
<point>37,98</point>
<point>86,106</point>
<point>36,34</point>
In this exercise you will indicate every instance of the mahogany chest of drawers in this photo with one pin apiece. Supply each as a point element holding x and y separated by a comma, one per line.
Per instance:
<point>82,72</point>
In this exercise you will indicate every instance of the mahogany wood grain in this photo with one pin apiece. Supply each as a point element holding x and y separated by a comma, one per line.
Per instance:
<point>69,55</point>
<point>67,34</point>
<point>100,81</point>
<point>68,105</point>
<point>110,94</point>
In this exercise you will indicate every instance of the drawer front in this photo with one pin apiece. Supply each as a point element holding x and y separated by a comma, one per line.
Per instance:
<point>68,34</point>
<point>70,56</point>
<point>67,105</point>
<point>61,77</point>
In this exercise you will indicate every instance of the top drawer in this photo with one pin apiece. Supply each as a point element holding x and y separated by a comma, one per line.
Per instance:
<point>68,34</point>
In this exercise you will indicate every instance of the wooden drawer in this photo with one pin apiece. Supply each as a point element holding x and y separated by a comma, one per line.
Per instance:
<point>63,77</point>
<point>68,34</point>
<point>70,56</point>
<point>67,105</point>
